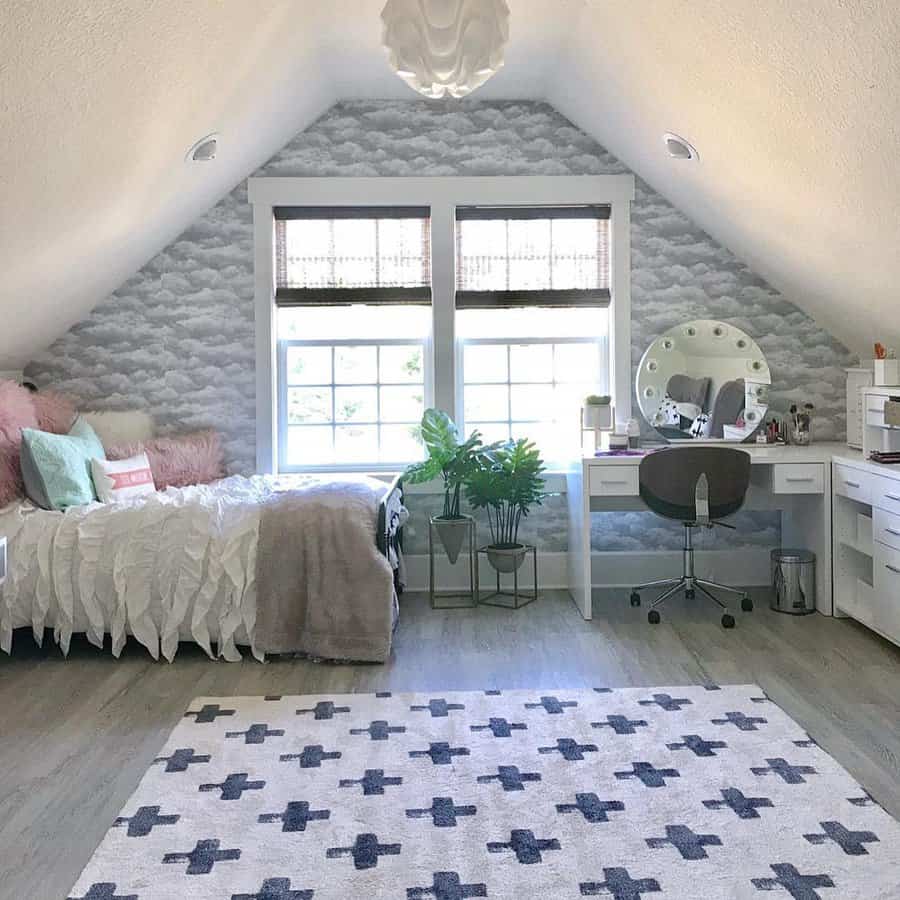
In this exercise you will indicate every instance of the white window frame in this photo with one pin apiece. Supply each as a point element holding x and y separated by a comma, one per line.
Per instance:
<point>442,195</point>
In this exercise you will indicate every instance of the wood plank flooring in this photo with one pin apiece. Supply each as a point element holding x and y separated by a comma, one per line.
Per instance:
<point>76,735</point>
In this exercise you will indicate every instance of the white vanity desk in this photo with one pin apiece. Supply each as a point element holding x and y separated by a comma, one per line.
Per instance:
<point>796,480</point>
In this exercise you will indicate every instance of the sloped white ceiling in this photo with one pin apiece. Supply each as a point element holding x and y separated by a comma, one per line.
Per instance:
<point>794,107</point>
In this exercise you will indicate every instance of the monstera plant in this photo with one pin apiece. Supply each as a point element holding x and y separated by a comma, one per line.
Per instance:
<point>506,483</point>
<point>453,461</point>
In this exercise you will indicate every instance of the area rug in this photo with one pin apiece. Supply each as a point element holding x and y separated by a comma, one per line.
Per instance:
<point>678,792</point>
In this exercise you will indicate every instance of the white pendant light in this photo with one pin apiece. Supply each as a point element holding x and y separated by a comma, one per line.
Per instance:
<point>443,47</point>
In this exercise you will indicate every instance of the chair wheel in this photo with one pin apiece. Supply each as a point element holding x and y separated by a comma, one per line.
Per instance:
<point>746,604</point>
<point>689,593</point>
<point>728,621</point>
<point>635,598</point>
<point>653,617</point>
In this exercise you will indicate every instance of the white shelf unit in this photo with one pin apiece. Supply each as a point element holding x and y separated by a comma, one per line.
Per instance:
<point>852,555</point>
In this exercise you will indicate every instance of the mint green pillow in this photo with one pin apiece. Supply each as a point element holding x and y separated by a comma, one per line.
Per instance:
<point>56,468</point>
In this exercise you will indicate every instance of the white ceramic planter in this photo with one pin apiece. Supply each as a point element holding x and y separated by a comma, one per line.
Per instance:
<point>506,559</point>
<point>597,416</point>
<point>452,533</point>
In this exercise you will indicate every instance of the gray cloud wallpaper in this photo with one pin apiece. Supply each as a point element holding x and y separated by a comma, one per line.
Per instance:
<point>177,339</point>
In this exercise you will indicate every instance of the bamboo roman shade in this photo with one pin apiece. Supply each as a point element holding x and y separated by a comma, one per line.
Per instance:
<point>342,255</point>
<point>532,256</point>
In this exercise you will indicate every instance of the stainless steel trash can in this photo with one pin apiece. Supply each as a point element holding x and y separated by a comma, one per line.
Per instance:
<point>794,581</point>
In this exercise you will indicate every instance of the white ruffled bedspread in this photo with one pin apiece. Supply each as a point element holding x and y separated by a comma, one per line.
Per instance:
<point>178,565</point>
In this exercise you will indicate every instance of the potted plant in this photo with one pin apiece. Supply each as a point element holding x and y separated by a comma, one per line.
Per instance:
<point>506,483</point>
<point>596,412</point>
<point>452,461</point>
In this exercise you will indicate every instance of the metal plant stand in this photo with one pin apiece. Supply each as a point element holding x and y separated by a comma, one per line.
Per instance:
<point>516,598</point>
<point>464,599</point>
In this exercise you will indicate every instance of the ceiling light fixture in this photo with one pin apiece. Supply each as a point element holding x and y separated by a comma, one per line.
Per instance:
<point>204,150</point>
<point>678,148</point>
<point>443,47</point>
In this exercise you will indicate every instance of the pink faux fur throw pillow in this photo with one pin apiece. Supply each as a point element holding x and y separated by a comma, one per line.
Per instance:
<point>55,412</point>
<point>196,458</point>
<point>16,412</point>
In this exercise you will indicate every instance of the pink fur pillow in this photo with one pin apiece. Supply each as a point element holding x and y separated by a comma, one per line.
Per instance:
<point>16,412</point>
<point>55,412</point>
<point>196,458</point>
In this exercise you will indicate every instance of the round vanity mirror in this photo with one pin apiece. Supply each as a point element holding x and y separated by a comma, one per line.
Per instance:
<point>704,380</point>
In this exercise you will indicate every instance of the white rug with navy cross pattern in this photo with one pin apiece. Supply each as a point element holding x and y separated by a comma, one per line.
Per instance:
<point>686,792</point>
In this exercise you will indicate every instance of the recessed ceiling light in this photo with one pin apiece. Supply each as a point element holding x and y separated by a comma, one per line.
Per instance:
<point>678,148</point>
<point>204,150</point>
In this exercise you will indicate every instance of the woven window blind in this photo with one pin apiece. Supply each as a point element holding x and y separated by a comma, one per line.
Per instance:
<point>343,255</point>
<point>532,256</point>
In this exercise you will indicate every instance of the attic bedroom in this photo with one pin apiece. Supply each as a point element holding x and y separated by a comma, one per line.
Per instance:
<point>449,448</point>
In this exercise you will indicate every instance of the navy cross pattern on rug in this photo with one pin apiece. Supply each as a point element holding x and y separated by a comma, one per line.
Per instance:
<point>741,721</point>
<point>441,753</point>
<point>233,787</point>
<point>499,727</point>
<point>208,713</point>
<point>312,756</point>
<point>591,807</point>
<point>552,705</point>
<point>323,710</point>
<point>784,770</point>
<point>648,774</point>
<point>569,749</point>
<point>697,745</point>
<point>851,842</point>
<point>525,845</point>
<point>689,844</point>
<point>621,724</point>
<point>447,886</point>
<point>106,890</point>
<point>296,816</point>
<point>443,812</point>
<point>276,889</point>
<point>180,759</point>
<point>666,702</point>
<point>788,878</point>
<point>373,781</point>
<point>510,778</point>
<point>256,733</point>
<point>380,730</point>
<point>204,856</point>
<point>619,885</point>
<point>439,708</point>
<point>365,851</point>
<point>144,821</point>
<point>743,807</point>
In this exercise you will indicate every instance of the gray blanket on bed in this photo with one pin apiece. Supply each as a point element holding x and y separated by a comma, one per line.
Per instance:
<point>323,588</point>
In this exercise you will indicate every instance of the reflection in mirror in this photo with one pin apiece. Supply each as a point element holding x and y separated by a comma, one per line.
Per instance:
<point>704,380</point>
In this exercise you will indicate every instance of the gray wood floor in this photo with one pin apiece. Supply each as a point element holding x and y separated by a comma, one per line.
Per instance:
<point>76,735</point>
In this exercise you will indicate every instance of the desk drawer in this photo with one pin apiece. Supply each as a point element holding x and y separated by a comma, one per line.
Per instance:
<point>886,493</point>
<point>852,483</point>
<point>798,478</point>
<point>614,481</point>
<point>886,596</point>
<point>886,528</point>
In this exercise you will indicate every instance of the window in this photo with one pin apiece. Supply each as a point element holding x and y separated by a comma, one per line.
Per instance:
<point>353,290</point>
<point>532,319</point>
<point>503,301</point>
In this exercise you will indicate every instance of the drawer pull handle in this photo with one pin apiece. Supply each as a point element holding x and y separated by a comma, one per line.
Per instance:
<point>613,481</point>
<point>851,483</point>
<point>798,478</point>
<point>892,496</point>
<point>892,568</point>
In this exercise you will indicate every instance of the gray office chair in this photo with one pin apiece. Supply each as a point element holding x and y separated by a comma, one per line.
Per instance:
<point>696,486</point>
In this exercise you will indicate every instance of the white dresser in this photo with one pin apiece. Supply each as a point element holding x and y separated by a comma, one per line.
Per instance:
<point>866,513</point>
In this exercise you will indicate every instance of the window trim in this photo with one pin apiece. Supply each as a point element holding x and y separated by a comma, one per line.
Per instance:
<point>442,194</point>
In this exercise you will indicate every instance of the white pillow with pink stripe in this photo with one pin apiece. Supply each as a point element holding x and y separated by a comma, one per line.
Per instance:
<point>122,479</point>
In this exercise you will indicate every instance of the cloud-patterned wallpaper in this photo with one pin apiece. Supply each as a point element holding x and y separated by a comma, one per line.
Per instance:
<point>177,339</point>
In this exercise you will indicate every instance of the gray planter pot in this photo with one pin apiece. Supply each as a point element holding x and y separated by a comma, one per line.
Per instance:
<point>505,558</point>
<point>452,533</point>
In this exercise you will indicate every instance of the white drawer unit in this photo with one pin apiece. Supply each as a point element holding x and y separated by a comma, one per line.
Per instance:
<point>886,594</point>
<point>886,493</point>
<point>614,481</point>
<point>886,528</point>
<point>798,478</point>
<point>853,483</point>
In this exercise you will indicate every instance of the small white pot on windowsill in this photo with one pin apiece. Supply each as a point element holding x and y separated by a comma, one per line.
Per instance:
<point>597,415</point>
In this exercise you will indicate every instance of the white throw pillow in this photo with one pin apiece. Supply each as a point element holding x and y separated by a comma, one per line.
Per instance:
<point>114,427</point>
<point>122,479</point>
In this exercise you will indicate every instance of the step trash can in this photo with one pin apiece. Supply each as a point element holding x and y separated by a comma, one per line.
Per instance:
<point>794,581</point>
